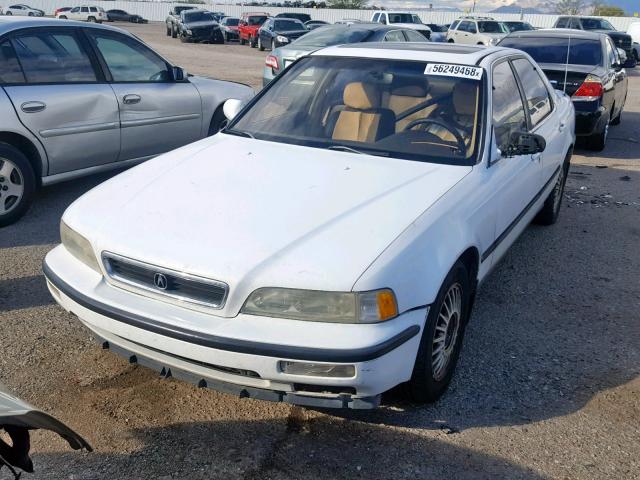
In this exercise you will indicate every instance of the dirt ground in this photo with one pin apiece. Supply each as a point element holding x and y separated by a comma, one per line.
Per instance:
<point>548,384</point>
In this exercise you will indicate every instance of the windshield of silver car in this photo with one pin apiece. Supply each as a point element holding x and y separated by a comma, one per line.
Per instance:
<point>393,108</point>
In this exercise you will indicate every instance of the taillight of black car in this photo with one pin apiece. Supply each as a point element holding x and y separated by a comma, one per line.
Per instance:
<point>590,90</point>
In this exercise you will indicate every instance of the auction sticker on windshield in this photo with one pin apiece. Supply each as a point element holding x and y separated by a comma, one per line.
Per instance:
<point>449,70</point>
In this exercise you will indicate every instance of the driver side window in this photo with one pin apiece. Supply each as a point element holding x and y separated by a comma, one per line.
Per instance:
<point>129,60</point>
<point>508,109</point>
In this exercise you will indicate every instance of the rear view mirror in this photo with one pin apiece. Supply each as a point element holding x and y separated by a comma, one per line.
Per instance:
<point>525,143</point>
<point>179,74</point>
<point>232,107</point>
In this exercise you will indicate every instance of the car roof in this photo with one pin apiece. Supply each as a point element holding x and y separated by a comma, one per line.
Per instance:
<point>558,32</point>
<point>439,52</point>
<point>366,26</point>
<point>11,23</point>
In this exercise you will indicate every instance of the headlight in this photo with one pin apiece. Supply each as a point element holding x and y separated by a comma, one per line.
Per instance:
<point>282,39</point>
<point>189,32</point>
<point>317,306</point>
<point>78,246</point>
<point>493,41</point>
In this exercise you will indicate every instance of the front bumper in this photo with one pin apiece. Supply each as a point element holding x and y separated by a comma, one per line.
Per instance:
<point>160,336</point>
<point>206,36</point>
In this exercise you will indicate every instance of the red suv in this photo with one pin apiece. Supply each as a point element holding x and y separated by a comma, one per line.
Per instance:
<point>248,27</point>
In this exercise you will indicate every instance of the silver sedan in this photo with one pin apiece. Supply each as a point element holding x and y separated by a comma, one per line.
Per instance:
<point>81,98</point>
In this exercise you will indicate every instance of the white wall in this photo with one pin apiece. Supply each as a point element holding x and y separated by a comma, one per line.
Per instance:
<point>157,11</point>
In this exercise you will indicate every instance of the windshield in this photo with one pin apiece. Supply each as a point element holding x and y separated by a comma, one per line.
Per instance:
<point>332,35</point>
<point>492,27</point>
<point>518,26</point>
<point>554,50</point>
<point>256,20</point>
<point>437,28</point>
<point>288,25</point>
<point>182,9</point>
<point>382,107</point>
<point>596,24</point>
<point>231,22</point>
<point>197,16</point>
<point>403,18</point>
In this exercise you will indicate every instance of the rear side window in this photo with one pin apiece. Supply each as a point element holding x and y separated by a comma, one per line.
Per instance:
<point>394,36</point>
<point>562,23</point>
<point>413,36</point>
<point>536,93</point>
<point>129,60</point>
<point>454,25</point>
<point>508,109</point>
<point>10,71</point>
<point>93,9</point>
<point>53,58</point>
<point>84,9</point>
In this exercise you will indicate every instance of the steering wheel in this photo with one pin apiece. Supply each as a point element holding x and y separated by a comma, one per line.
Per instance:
<point>449,128</point>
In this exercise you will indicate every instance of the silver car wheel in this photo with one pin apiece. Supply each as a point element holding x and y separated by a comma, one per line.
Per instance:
<point>11,186</point>
<point>446,332</point>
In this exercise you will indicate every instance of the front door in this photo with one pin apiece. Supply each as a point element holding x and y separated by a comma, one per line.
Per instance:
<point>157,114</point>
<point>57,96</point>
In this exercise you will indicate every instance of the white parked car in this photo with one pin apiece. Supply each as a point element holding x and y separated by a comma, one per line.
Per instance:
<point>477,31</point>
<point>402,20</point>
<point>327,246</point>
<point>22,10</point>
<point>85,13</point>
<point>634,31</point>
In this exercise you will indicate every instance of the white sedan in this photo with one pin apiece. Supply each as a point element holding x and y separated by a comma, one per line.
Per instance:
<point>23,11</point>
<point>327,246</point>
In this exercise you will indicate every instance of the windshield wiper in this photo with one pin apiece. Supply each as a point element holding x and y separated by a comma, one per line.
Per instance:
<point>344,148</point>
<point>239,133</point>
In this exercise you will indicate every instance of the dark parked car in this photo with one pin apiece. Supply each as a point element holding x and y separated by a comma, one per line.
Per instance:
<point>600,25</point>
<point>438,32</point>
<point>518,26</point>
<point>313,24</point>
<point>587,67</point>
<point>279,31</point>
<point>199,26</point>
<point>122,16</point>
<point>229,27</point>
<point>171,21</point>
<point>303,17</point>
<point>336,34</point>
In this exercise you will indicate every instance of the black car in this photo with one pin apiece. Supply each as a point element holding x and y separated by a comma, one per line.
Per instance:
<point>279,31</point>
<point>518,26</point>
<point>600,25</point>
<point>199,26</point>
<point>229,26</point>
<point>303,17</point>
<point>313,24</point>
<point>587,67</point>
<point>122,16</point>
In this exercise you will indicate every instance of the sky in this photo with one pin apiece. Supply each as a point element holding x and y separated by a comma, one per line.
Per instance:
<point>485,5</point>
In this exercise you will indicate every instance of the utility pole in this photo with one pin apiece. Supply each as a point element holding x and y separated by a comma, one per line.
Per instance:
<point>473,9</point>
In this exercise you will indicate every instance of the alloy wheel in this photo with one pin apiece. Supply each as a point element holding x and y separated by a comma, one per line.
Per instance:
<point>446,331</point>
<point>559,188</point>
<point>11,186</point>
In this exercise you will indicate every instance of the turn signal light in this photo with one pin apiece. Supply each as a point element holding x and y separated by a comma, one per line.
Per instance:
<point>590,90</point>
<point>272,62</point>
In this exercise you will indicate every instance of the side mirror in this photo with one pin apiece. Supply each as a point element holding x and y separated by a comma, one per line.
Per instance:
<point>232,107</point>
<point>179,74</point>
<point>623,56</point>
<point>524,143</point>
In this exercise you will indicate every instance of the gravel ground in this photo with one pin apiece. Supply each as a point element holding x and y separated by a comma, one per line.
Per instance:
<point>548,385</point>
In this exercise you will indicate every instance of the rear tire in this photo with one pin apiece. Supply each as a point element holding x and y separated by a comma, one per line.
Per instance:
<point>550,211</point>
<point>444,330</point>
<point>260,46</point>
<point>450,40</point>
<point>91,20</point>
<point>30,14</point>
<point>598,141</point>
<point>168,32</point>
<point>253,42</point>
<point>242,41</point>
<point>184,38</point>
<point>9,13</point>
<point>62,17</point>
<point>174,32</point>
<point>17,184</point>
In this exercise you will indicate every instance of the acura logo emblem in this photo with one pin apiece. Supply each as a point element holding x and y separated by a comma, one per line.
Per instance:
<point>160,281</point>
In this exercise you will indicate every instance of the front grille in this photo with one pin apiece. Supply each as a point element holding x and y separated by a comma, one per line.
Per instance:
<point>179,286</point>
<point>624,43</point>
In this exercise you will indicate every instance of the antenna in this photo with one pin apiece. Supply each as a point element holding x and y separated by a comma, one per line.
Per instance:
<point>566,65</point>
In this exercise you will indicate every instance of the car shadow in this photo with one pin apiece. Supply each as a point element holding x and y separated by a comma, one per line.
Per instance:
<point>553,324</point>
<point>623,141</point>
<point>290,448</point>
<point>41,224</point>
<point>24,292</point>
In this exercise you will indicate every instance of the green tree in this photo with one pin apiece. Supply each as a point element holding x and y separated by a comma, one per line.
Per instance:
<point>570,7</point>
<point>608,11</point>
<point>348,4</point>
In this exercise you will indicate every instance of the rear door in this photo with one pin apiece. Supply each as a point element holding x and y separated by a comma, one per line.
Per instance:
<point>62,98</point>
<point>157,114</point>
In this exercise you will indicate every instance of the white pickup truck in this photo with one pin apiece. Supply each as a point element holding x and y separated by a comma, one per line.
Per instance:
<point>402,20</point>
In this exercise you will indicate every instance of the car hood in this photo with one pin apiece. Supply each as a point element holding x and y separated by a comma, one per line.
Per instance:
<point>292,33</point>
<point>205,23</point>
<point>494,35</point>
<point>253,213</point>
<point>613,33</point>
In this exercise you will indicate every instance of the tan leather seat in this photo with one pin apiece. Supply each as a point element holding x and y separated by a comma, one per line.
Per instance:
<point>464,99</point>
<point>363,119</point>
<point>406,96</point>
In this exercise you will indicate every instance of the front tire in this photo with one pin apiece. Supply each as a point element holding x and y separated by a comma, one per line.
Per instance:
<point>174,31</point>
<point>168,31</point>
<point>9,13</point>
<point>550,211</point>
<point>17,184</point>
<point>62,17</point>
<point>253,42</point>
<point>442,336</point>
<point>91,20</point>
<point>260,46</point>
<point>184,38</point>
<point>242,41</point>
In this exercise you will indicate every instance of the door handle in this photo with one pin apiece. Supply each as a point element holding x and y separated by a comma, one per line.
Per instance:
<point>32,107</point>
<point>561,126</point>
<point>131,99</point>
